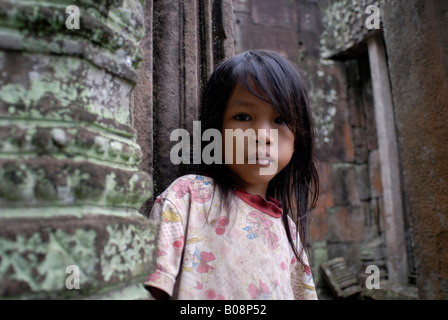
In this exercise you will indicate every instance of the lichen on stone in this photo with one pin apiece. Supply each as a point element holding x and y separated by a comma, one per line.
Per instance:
<point>344,25</point>
<point>127,252</point>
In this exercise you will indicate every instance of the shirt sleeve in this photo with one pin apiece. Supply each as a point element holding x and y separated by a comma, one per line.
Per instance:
<point>302,280</point>
<point>170,243</point>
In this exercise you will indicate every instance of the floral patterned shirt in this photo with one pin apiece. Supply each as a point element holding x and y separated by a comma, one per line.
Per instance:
<point>204,253</point>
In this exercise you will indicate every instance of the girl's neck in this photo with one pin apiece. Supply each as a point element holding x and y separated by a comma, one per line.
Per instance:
<point>255,189</point>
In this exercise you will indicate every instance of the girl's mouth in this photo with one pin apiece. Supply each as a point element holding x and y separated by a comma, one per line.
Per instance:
<point>261,162</point>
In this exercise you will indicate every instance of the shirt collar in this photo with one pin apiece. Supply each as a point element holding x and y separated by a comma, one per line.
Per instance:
<point>271,206</point>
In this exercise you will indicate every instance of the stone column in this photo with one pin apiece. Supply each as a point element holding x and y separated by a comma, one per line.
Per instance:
<point>143,100</point>
<point>70,187</point>
<point>397,264</point>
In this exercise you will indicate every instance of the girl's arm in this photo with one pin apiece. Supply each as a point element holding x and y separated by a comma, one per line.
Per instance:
<point>302,280</point>
<point>169,247</point>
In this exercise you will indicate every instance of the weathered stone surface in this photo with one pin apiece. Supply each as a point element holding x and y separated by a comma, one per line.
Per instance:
<point>344,185</point>
<point>189,40</point>
<point>376,188</point>
<point>43,181</point>
<point>345,224</point>
<point>344,27</point>
<point>142,96</point>
<point>362,182</point>
<point>318,225</point>
<point>107,250</point>
<point>416,33</point>
<point>60,88</point>
<point>342,282</point>
<point>70,187</point>
<point>108,35</point>
<point>388,291</point>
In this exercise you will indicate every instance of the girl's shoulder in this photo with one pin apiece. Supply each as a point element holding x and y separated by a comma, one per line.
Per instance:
<point>191,187</point>
<point>193,181</point>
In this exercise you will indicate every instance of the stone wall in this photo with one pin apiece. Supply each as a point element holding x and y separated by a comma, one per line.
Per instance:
<point>416,34</point>
<point>348,221</point>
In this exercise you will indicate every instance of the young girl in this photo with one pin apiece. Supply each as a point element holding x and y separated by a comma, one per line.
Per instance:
<point>232,232</point>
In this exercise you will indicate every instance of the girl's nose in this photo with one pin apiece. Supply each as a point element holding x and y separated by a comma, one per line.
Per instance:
<point>263,136</point>
<point>263,133</point>
<point>264,142</point>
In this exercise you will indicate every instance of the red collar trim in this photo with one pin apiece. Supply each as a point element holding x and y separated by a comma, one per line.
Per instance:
<point>271,206</point>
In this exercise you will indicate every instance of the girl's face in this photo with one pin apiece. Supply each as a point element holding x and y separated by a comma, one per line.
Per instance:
<point>273,138</point>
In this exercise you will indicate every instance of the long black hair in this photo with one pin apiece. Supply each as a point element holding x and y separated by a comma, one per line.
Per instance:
<point>297,185</point>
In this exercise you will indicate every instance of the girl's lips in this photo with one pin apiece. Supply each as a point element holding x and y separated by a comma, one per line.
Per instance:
<point>263,162</point>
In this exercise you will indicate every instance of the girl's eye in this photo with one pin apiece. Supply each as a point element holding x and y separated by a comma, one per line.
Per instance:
<point>279,121</point>
<point>242,117</point>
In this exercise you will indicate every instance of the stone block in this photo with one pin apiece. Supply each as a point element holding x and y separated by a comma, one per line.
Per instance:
<point>345,224</point>
<point>274,14</point>
<point>342,282</point>
<point>241,5</point>
<point>359,140</point>
<point>376,188</point>
<point>362,182</point>
<point>356,117</point>
<point>344,185</point>
<point>133,291</point>
<point>326,198</point>
<point>243,34</point>
<point>344,26</point>
<point>284,41</point>
<point>106,250</point>
<point>319,254</point>
<point>372,216</point>
<point>49,182</point>
<point>391,291</point>
<point>343,149</point>
<point>318,227</point>
<point>308,45</point>
<point>309,18</point>
<point>369,111</point>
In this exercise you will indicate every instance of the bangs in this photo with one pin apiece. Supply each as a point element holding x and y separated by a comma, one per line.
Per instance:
<point>272,80</point>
